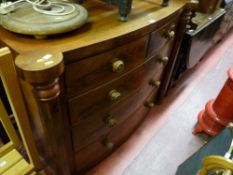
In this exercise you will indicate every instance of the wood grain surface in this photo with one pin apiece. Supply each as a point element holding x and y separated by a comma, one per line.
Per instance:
<point>103,25</point>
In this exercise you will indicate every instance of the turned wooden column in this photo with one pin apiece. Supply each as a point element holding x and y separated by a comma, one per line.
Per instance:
<point>184,24</point>
<point>40,75</point>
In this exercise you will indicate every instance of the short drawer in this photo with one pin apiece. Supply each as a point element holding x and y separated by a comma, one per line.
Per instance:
<point>94,71</point>
<point>106,144</point>
<point>162,39</point>
<point>99,123</point>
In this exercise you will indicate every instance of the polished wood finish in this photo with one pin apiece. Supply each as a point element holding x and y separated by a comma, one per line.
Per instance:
<point>88,157</point>
<point>209,6</point>
<point>159,40</point>
<point>89,73</point>
<point>15,164</point>
<point>144,18</point>
<point>41,72</point>
<point>93,125</point>
<point>88,90</point>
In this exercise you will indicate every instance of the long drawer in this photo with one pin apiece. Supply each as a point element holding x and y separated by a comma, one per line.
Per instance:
<point>100,122</point>
<point>94,71</point>
<point>106,144</point>
<point>90,104</point>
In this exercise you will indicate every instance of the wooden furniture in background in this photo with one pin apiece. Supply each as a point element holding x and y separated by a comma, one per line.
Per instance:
<point>197,42</point>
<point>11,161</point>
<point>185,24</point>
<point>209,6</point>
<point>88,90</point>
<point>8,127</point>
<point>227,23</point>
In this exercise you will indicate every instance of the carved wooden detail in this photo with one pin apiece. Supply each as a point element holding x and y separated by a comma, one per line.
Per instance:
<point>42,73</point>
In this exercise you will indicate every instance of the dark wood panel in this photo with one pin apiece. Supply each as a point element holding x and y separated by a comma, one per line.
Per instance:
<point>88,105</point>
<point>207,6</point>
<point>97,100</point>
<point>96,152</point>
<point>95,125</point>
<point>162,39</point>
<point>93,71</point>
<point>202,39</point>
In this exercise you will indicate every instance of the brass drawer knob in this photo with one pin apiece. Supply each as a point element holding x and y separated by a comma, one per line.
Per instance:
<point>118,66</point>
<point>163,60</point>
<point>110,121</point>
<point>108,144</point>
<point>170,34</point>
<point>155,83</point>
<point>114,95</point>
<point>149,104</point>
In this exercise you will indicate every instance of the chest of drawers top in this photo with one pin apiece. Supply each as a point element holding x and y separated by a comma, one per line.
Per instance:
<point>103,29</point>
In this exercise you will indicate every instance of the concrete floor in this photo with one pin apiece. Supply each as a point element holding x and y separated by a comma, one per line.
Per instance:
<point>165,140</point>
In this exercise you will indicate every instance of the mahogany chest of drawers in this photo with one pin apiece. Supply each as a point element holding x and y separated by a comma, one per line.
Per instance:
<point>88,90</point>
<point>113,91</point>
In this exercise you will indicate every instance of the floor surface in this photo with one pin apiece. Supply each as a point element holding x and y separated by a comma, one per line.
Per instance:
<point>165,140</point>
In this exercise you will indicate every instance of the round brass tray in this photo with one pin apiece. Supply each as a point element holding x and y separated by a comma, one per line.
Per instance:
<point>25,20</point>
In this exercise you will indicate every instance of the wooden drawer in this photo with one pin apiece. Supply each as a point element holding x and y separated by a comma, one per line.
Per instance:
<point>97,101</point>
<point>97,151</point>
<point>162,39</point>
<point>89,105</point>
<point>94,71</point>
<point>95,124</point>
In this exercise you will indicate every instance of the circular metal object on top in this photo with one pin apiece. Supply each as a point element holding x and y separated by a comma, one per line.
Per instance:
<point>25,20</point>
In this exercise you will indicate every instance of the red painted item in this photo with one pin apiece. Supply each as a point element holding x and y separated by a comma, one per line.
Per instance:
<point>218,113</point>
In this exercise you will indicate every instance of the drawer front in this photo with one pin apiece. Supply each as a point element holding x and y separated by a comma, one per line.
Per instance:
<point>162,39</point>
<point>106,144</point>
<point>100,99</point>
<point>96,101</point>
<point>94,71</point>
<point>99,123</point>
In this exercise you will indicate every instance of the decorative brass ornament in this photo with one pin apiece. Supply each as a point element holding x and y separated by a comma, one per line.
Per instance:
<point>110,121</point>
<point>114,95</point>
<point>118,66</point>
<point>163,59</point>
<point>155,83</point>
<point>108,144</point>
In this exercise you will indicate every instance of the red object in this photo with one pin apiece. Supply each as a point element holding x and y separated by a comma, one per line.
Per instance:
<point>218,113</point>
